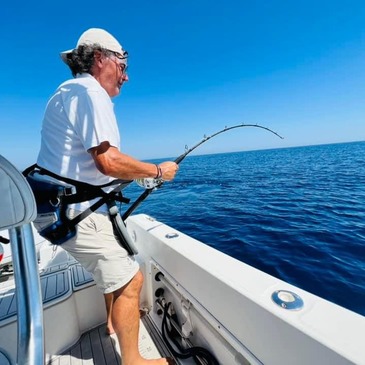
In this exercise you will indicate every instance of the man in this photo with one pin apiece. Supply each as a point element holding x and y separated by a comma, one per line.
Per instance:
<point>80,141</point>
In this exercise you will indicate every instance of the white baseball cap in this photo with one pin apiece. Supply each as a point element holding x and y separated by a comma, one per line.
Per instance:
<point>100,37</point>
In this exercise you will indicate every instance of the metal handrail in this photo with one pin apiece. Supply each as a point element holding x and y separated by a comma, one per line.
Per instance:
<point>29,298</point>
<point>17,210</point>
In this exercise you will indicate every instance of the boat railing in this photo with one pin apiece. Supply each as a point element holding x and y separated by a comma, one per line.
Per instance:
<point>17,211</point>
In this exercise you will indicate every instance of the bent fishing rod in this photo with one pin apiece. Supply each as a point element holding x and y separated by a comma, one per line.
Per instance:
<point>152,184</point>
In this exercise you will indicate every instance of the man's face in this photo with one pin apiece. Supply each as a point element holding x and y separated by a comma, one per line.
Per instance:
<point>113,74</point>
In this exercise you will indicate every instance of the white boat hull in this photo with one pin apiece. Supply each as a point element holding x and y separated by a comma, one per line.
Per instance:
<point>236,300</point>
<point>224,305</point>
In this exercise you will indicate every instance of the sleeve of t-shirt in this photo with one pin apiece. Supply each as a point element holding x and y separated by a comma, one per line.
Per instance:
<point>96,121</point>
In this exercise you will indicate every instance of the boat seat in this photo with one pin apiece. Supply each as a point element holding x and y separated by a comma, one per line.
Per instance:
<point>16,195</point>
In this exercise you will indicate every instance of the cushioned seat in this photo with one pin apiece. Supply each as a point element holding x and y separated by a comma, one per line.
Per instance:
<point>17,203</point>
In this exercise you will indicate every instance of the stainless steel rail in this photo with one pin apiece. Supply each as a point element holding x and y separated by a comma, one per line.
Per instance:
<point>29,299</point>
<point>17,211</point>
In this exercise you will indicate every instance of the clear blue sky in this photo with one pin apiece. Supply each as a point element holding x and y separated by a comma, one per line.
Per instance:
<point>195,66</point>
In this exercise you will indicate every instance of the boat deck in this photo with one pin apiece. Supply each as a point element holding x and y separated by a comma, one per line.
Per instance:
<point>95,347</point>
<point>54,285</point>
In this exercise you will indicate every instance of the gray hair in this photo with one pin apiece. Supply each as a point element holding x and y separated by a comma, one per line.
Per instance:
<point>81,59</point>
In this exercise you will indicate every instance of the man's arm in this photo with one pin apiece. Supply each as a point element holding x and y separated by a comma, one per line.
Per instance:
<point>111,162</point>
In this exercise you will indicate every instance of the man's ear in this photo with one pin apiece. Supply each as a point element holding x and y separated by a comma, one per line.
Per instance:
<point>98,59</point>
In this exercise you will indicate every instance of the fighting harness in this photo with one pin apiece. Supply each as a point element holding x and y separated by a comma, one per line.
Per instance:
<point>53,195</point>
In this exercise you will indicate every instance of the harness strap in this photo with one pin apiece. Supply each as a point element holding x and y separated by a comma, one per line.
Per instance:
<point>106,198</point>
<point>120,229</point>
<point>76,183</point>
<point>84,191</point>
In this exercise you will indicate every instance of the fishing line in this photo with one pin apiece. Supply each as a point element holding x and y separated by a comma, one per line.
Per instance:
<point>151,184</point>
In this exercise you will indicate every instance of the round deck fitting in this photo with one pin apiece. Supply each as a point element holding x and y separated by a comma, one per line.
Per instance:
<point>287,300</point>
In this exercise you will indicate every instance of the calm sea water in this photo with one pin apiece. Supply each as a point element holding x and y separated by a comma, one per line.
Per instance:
<point>295,213</point>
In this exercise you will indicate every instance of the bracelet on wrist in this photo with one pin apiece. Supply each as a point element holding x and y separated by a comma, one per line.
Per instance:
<point>159,172</point>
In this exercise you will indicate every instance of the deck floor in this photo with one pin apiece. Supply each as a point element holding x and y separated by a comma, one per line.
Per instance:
<point>95,347</point>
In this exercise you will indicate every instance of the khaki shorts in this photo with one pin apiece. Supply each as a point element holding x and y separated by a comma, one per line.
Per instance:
<point>98,251</point>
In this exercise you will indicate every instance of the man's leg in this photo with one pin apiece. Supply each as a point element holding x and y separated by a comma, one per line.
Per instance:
<point>125,317</point>
<point>109,298</point>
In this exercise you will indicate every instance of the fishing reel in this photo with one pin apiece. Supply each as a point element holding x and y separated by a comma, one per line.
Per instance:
<point>149,183</point>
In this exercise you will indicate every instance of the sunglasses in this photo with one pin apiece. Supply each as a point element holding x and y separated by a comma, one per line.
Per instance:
<point>121,61</point>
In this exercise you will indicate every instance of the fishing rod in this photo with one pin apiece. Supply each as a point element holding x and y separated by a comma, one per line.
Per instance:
<point>151,184</point>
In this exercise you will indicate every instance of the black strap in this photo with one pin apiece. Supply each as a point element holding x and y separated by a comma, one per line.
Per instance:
<point>4,240</point>
<point>105,198</point>
<point>84,192</point>
<point>76,183</point>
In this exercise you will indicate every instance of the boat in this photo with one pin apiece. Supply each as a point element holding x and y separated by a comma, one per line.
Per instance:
<point>198,305</point>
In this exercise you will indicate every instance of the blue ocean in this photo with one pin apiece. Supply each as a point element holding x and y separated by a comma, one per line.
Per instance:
<point>295,213</point>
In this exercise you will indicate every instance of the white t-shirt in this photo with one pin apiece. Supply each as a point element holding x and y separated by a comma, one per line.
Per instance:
<point>79,116</point>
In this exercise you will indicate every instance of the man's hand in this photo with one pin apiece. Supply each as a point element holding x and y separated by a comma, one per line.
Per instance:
<point>168,169</point>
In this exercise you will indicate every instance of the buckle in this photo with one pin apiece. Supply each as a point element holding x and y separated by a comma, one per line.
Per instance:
<point>69,190</point>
